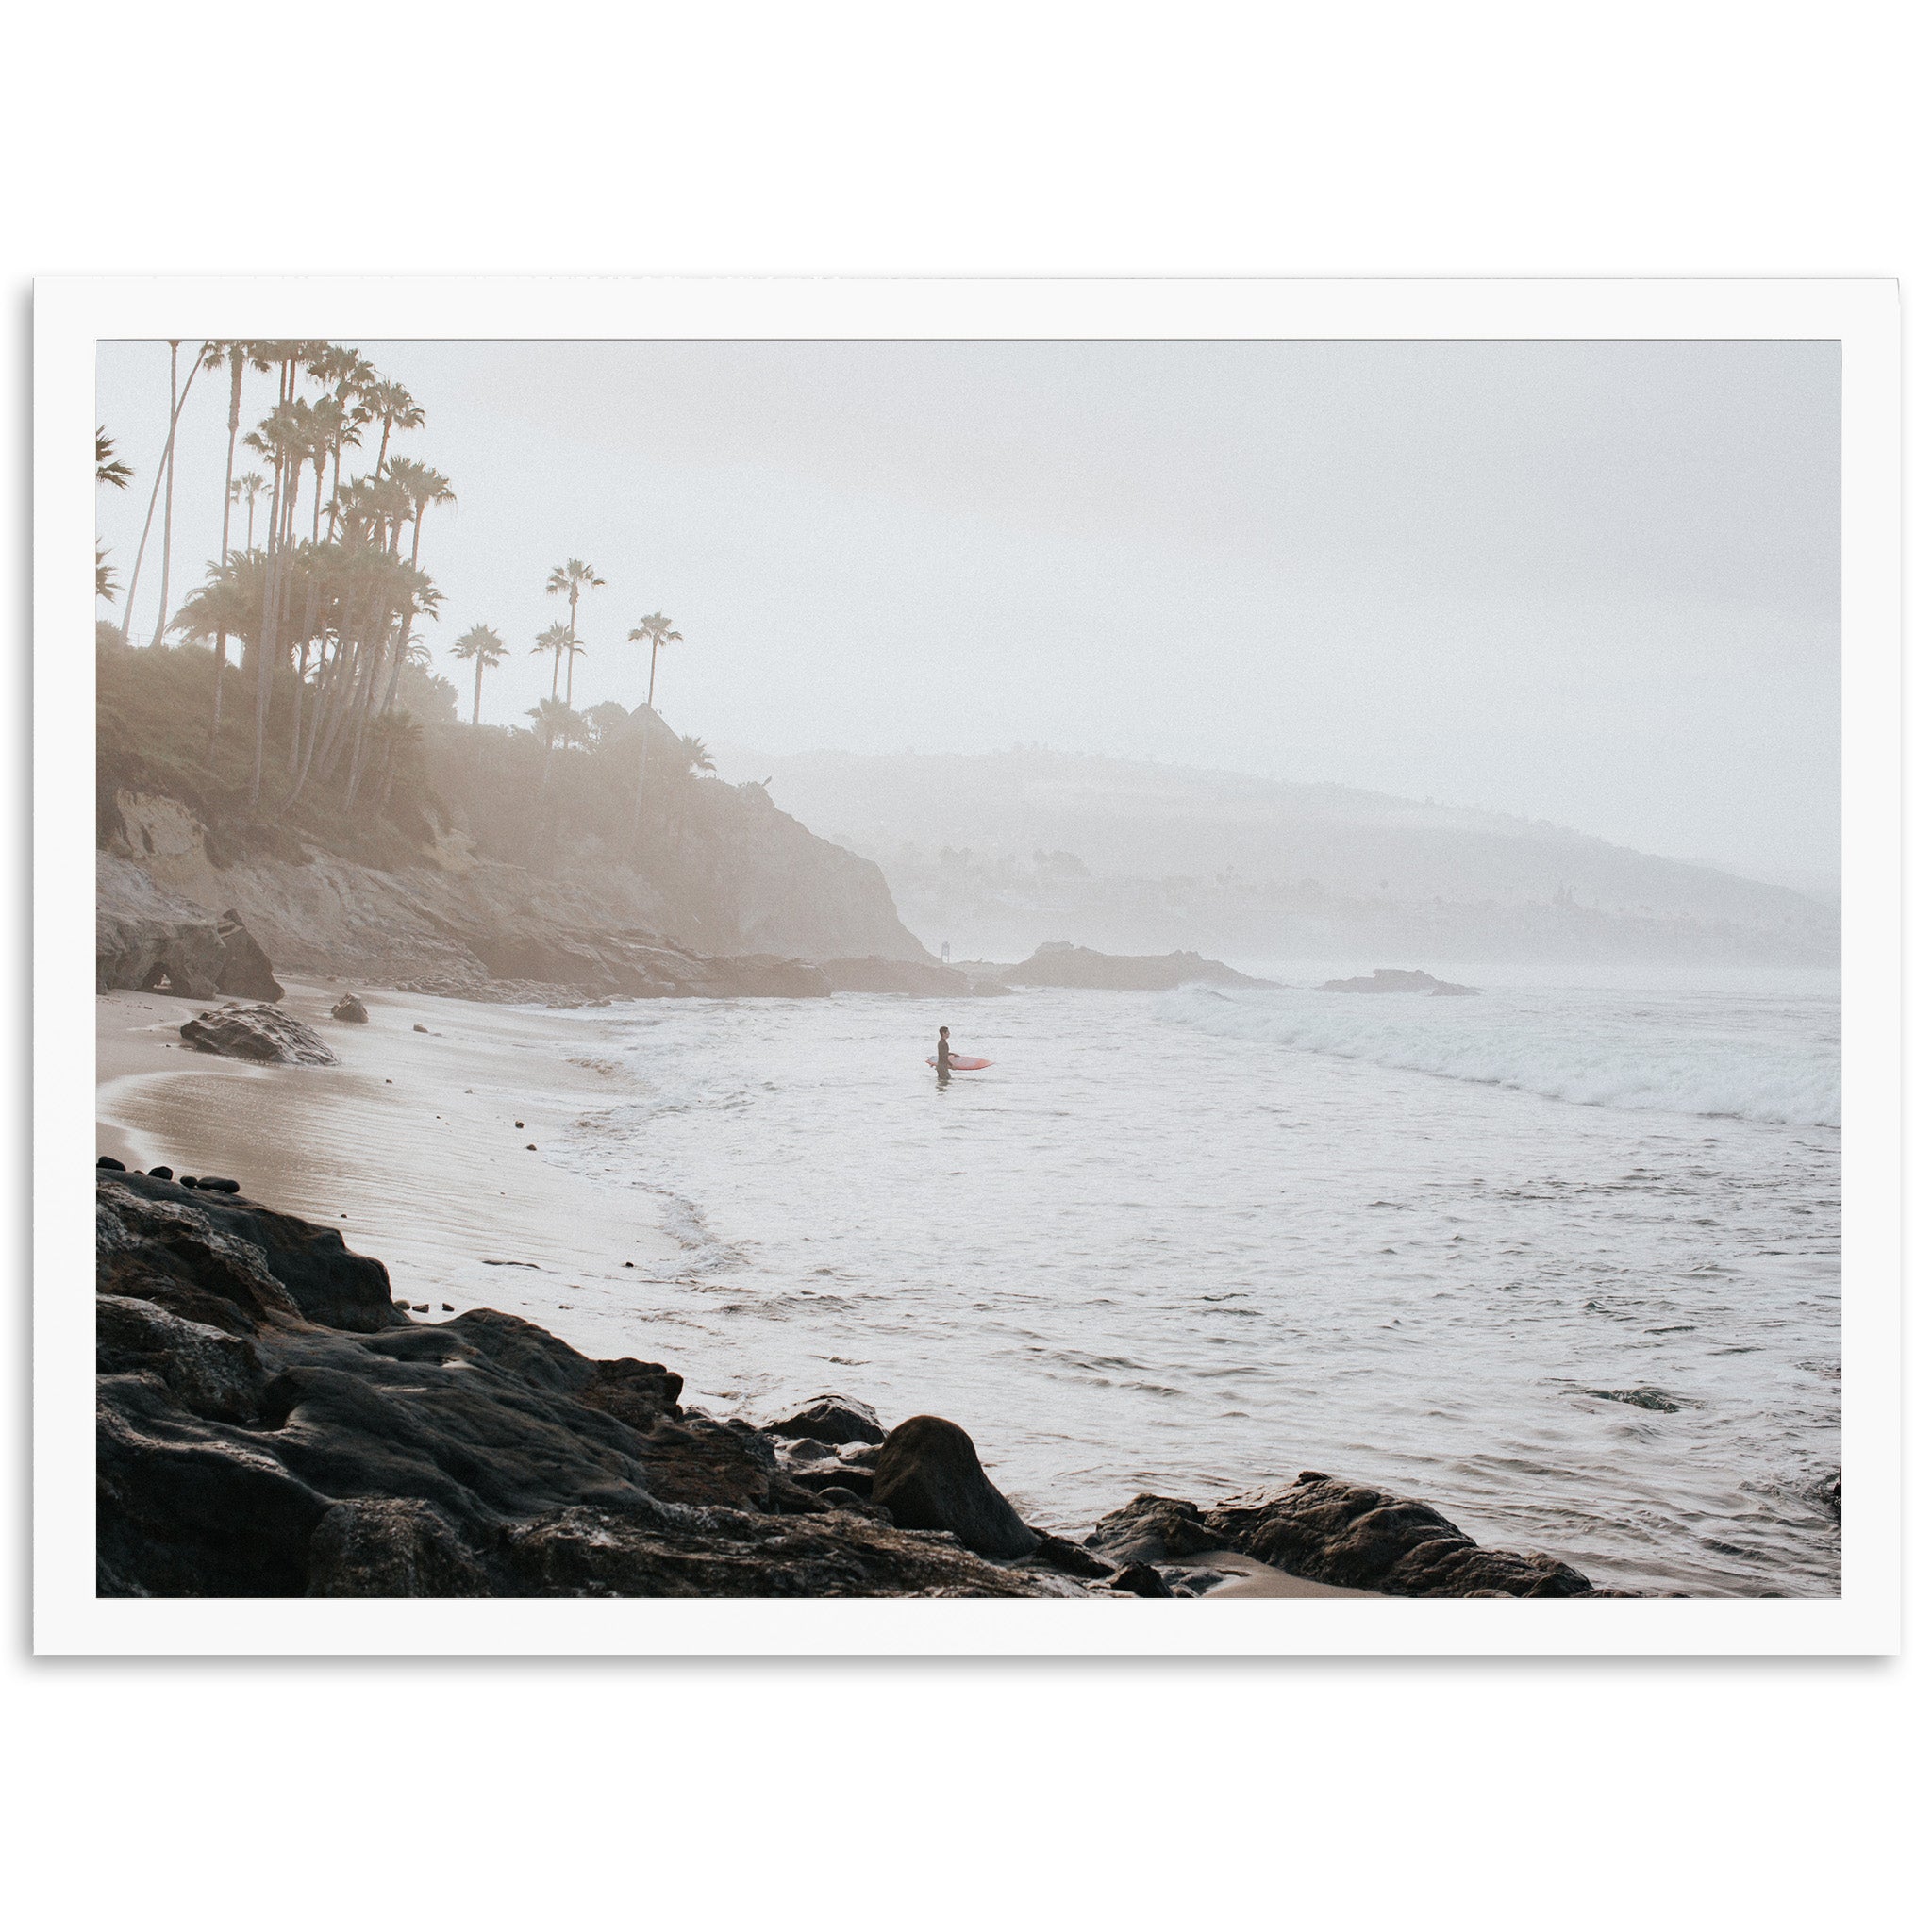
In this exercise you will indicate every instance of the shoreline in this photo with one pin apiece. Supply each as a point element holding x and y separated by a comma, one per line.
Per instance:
<point>370,1148</point>
<point>410,1147</point>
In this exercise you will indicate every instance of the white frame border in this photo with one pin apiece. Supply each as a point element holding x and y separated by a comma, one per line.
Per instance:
<point>73,314</point>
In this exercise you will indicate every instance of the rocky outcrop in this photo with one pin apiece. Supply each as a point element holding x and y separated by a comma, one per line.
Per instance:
<point>1399,979</point>
<point>1059,964</point>
<point>918,978</point>
<point>147,939</point>
<point>1366,1538</point>
<point>257,1033</point>
<point>928,1478</point>
<point>271,1424</point>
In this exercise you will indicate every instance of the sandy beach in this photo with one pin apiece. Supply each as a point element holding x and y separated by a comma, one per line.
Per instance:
<point>412,1145</point>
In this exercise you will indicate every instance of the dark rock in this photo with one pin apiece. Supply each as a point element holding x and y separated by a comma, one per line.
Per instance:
<point>109,1161</point>
<point>1397,979</point>
<point>245,972</point>
<point>1056,963</point>
<point>832,1419</point>
<point>419,1027</point>
<point>1365,1539</point>
<point>248,1448</point>
<point>1153,1529</point>
<point>834,1475</point>
<point>1139,1580</point>
<point>1831,1493</point>
<point>195,1255</point>
<point>1069,1558</point>
<point>1638,1398</point>
<point>220,1184</point>
<point>350,1009</point>
<point>256,1033</point>
<point>928,1478</point>
<point>391,1546</point>
<point>147,939</point>
<point>162,1174</point>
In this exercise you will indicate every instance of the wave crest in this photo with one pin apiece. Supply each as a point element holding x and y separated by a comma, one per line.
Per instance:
<point>1775,1062</point>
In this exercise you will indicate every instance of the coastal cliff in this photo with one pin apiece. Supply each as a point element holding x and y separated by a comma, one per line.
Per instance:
<point>479,859</point>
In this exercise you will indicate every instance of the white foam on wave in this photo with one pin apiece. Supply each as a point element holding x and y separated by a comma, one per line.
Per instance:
<point>1771,1060</point>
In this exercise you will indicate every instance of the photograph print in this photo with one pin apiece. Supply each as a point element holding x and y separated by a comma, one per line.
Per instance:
<point>1099,969</point>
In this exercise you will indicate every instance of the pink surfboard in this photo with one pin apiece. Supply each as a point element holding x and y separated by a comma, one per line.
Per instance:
<point>962,1063</point>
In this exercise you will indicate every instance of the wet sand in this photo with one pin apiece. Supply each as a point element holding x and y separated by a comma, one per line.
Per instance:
<point>410,1146</point>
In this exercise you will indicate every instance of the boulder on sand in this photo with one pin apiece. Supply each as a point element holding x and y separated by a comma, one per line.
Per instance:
<point>928,1478</point>
<point>256,1033</point>
<point>351,1010</point>
<point>832,1420</point>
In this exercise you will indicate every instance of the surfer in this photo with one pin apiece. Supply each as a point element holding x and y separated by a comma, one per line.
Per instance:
<point>942,1058</point>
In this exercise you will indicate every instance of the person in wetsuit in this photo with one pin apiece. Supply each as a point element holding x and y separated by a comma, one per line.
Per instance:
<point>943,1058</point>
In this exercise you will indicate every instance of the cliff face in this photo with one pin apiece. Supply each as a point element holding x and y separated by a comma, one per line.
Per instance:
<point>470,855</point>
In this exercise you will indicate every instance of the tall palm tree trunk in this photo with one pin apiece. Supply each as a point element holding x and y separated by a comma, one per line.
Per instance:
<point>168,499</point>
<point>153,497</point>
<point>236,360</point>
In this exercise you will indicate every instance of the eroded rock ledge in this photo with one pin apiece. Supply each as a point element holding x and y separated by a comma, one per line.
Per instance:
<point>272,1423</point>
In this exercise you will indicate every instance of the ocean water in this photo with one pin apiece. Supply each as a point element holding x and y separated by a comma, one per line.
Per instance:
<point>1562,1260</point>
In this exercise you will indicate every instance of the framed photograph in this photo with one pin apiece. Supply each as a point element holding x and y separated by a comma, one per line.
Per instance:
<point>1080,967</point>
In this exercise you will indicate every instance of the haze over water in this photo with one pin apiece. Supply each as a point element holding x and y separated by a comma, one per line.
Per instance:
<point>1560,1260</point>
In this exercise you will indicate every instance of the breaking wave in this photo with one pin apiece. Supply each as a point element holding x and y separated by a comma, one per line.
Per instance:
<point>1774,1060</point>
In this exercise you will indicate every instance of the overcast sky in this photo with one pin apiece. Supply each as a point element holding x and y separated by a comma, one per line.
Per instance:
<point>1594,583</point>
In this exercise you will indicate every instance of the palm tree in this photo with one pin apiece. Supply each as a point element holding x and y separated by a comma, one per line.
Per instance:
<point>570,675</point>
<point>558,640</point>
<point>697,755</point>
<point>425,487</point>
<point>115,474</point>
<point>245,490</point>
<point>571,579</point>
<point>395,407</point>
<point>557,723</point>
<point>655,631</point>
<point>177,400</point>
<point>482,645</point>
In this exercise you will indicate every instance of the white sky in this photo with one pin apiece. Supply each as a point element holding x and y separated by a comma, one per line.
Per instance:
<point>1596,583</point>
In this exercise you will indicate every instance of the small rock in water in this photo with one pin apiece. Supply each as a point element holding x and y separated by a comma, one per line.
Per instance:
<point>350,1008</point>
<point>831,1419</point>
<point>448,1309</point>
<point>529,1146</point>
<point>162,1174</point>
<point>630,1264</point>
<point>519,1124</point>
<point>419,1307</point>
<point>419,1027</point>
<point>107,1160</point>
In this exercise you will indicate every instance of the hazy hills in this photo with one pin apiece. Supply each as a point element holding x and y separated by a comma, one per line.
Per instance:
<point>999,851</point>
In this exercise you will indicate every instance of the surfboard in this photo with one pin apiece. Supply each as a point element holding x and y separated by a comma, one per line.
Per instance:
<point>962,1063</point>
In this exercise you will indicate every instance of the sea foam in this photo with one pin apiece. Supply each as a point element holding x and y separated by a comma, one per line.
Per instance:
<point>1774,1060</point>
